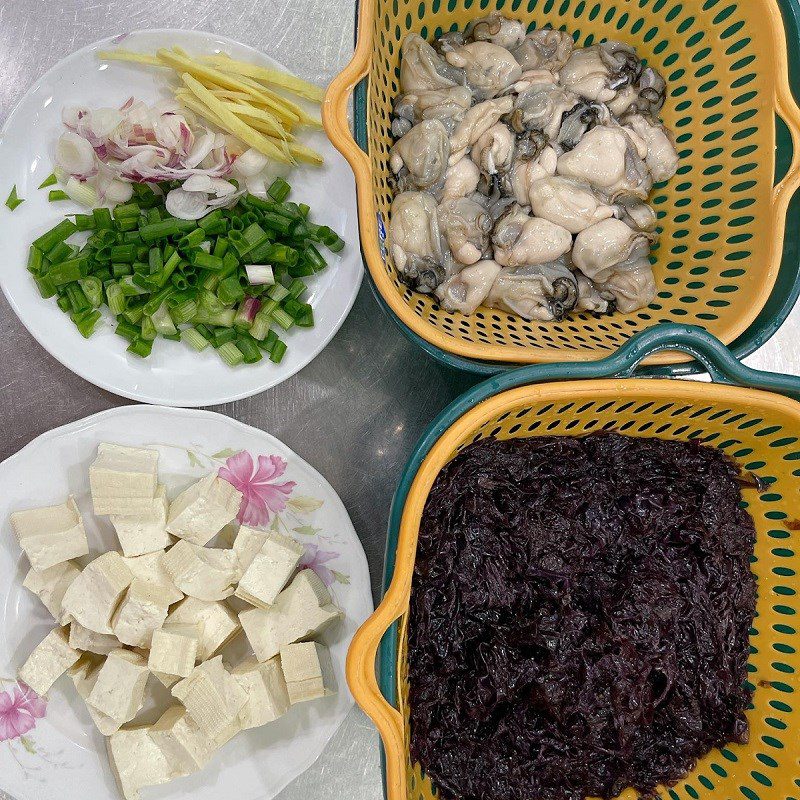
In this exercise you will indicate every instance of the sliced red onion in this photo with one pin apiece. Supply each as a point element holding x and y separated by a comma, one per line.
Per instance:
<point>202,147</point>
<point>75,155</point>
<point>222,188</point>
<point>259,274</point>
<point>250,163</point>
<point>256,186</point>
<point>186,205</point>
<point>198,183</point>
<point>127,104</point>
<point>118,192</point>
<point>70,115</point>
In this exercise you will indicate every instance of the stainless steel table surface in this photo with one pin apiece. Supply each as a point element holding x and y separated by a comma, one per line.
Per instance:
<point>357,410</point>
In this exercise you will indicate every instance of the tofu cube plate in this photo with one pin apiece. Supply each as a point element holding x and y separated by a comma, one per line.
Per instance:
<point>256,763</point>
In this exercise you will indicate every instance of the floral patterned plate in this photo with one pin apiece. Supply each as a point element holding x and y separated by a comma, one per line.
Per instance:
<point>49,747</point>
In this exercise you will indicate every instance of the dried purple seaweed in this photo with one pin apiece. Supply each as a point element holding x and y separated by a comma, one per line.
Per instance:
<point>579,617</point>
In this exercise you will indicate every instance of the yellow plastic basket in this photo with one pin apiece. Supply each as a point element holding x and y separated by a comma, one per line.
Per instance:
<point>723,219</point>
<point>758,428</point>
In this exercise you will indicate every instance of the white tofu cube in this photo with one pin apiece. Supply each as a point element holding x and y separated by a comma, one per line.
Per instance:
<point>265,687</point>
<point>302,610</point>
<point>166,680</point>
<point>151,569</point>
<point>247,544</point>
<point>218,621</point>
<point>198,513</point>
<point>94,595</point>
<point>51,535</point>
<point>51,584</point>
<point>146,533</point>
<point>270,570</point>
<point>142,611</point>
<point>212,697</point>
<point>173,650</point>
<point>182,741</point>
<point>84,676</point>
<point>51,658</point>
<point>120,473</point>
<point>119,690</point>
<point>137,761</point>
<point>308,671</point>
<point>87,641</point>
<point>202,572</point>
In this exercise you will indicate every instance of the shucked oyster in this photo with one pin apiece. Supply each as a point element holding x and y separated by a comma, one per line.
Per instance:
<point>422,69</point>
<point>419,159</point>
<point>609,159</point>
<point>521,240</point>
<point>466,290</point>
<point>544,49</point>
<point>542,292</point>
<point>488,67</point>
<point>466,225</point>
<point>497,29</point>
<point>415,241</point>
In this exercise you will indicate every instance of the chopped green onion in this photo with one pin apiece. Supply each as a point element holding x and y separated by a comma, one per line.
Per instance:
<point>282,318</point>
<point>278,292</point>
<point>126,210</point>
<point>35,260</point>
<point>162,321</point>
<point>278,350</point>
<point>85,222</point>
<point>93,289</point>
<point>194,339</point>
<point>54,195</point>
<point>149,331</point>
<point>183,312</point>
<point>141,347</point>
<point>85,322</point>
<point>50,180</point>
<point>223,335</point>
<point>279,190</point>
<point>249,349</point>
<point>230,354</point>
<point>12,201</point>
<point>206,260</point>
<point>81,193</point>
<point>116,299</point>
<point>59,233</point>
<point>230,291</point>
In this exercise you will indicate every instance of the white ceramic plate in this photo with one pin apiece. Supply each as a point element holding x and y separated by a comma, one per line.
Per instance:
<point>63,755</point>
<point>174,374</point>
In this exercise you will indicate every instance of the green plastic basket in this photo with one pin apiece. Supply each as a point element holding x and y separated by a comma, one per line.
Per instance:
<point>750,418</point>
<point>780,301</point>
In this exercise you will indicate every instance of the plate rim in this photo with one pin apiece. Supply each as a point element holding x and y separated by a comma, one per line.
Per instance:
<point>172,411</point>
<point>133,393</point>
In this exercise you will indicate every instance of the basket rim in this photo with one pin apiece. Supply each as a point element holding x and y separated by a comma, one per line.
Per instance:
<point>377,697</point>
<point>460,353</point>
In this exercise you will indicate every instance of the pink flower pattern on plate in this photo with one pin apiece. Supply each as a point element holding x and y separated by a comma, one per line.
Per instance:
<point>316,559</point>
<point>261,495</point>
<point>19,711</point>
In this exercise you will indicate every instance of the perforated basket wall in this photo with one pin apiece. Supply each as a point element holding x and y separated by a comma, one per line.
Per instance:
<point>721,220</point>
<point>762,432</point>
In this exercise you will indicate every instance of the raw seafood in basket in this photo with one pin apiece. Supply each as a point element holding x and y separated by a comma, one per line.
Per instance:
<point>523,167</point>
<point>160,607</point>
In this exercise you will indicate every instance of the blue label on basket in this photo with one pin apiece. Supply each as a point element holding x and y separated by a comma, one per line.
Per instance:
<point>382,236</point>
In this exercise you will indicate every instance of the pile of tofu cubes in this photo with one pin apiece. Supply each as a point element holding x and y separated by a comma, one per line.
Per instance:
<point>160,608</point>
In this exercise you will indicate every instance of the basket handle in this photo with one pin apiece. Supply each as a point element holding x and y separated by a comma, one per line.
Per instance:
<point>786,107</point>
<point>361,674</point>
<point>718,361</point>
<point>334,104</point>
